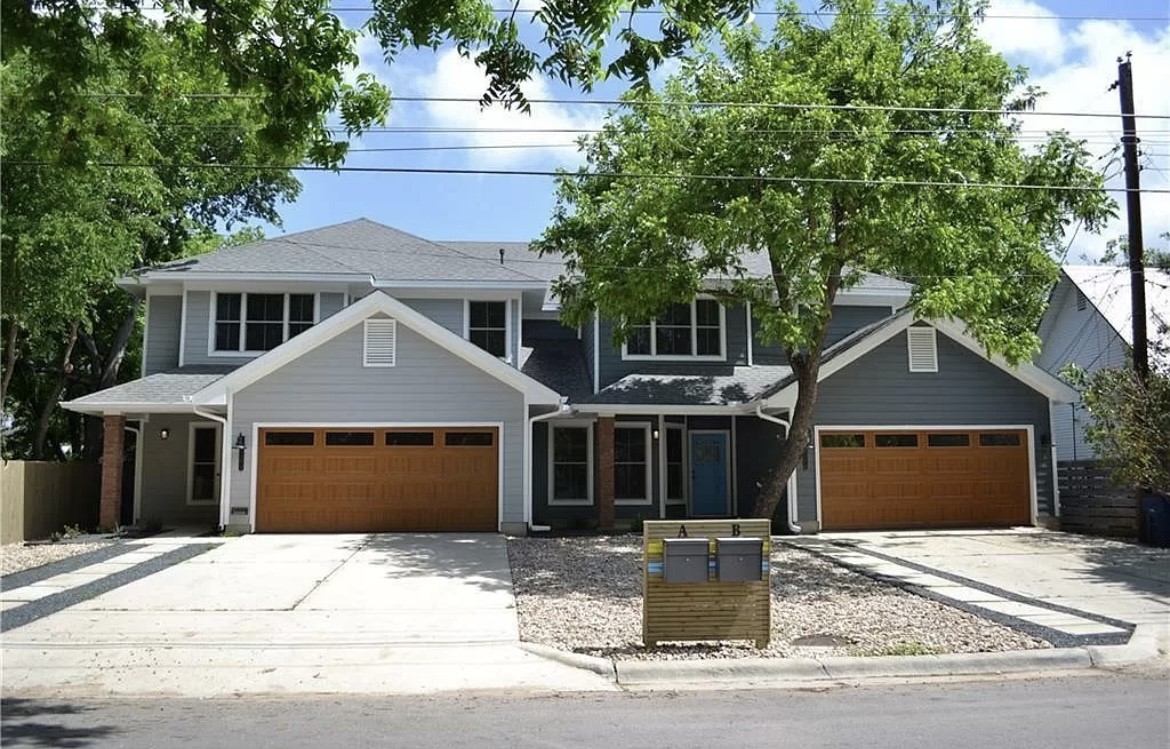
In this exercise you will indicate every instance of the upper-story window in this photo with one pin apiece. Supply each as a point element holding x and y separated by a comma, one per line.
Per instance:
<point>487,326</point>
<point>685,331</point>
<point>250,323</point>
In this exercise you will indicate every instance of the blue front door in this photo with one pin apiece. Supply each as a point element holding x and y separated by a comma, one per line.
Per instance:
<point>709,495</point>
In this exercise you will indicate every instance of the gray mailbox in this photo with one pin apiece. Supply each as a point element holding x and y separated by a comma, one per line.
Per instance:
<point>684,560</point>
<point>740,559</point>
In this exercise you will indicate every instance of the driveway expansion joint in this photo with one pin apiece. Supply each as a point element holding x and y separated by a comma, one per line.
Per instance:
<point>64,566</point>
<point>364,544</point>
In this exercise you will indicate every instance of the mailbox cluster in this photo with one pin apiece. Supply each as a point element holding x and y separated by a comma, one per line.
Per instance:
<point>726,560</point>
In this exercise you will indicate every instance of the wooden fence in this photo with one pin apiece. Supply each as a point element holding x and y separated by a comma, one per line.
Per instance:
<point>38,498</point>
<point>1092,504</point>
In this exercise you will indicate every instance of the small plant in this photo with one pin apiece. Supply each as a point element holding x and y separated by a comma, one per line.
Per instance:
<point>72,531</point>
<point>912,647</point>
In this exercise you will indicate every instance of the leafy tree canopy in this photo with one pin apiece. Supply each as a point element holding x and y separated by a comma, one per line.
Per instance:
<point>675,192</point>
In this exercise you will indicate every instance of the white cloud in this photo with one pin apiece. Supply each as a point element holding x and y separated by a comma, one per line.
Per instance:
<point>459,77</point>
<point>1028,40</point>
<point>369,53</point>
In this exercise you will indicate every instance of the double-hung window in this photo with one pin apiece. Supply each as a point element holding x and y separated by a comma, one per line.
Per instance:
<point>684,331</point>
<point>631,464</point>
<point>675,465</point>
<point>253,323</point>
<point>487,327</point>
<point>570,464</point>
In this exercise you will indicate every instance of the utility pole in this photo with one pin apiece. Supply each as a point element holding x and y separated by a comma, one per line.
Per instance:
<point>1133,210</point>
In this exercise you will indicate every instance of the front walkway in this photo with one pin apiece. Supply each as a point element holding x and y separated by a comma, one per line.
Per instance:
<point>290,614</point>
<point>1086,588</point>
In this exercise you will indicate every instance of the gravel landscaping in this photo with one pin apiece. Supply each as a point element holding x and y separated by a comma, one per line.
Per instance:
<point>585,594</point>
<point>18,557</point>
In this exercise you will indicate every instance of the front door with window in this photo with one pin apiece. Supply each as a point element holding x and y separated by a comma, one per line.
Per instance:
<point>203,468</point>
<point>710,485</point>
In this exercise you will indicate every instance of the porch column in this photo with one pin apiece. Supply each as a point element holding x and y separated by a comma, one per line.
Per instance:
<point>605,472</point>
<point>113,440</point>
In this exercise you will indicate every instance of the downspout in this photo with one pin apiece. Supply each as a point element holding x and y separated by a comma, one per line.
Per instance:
<point>564,409</point>
<point>137,431</point>
<point>791,514</point>
<point>224,467</point>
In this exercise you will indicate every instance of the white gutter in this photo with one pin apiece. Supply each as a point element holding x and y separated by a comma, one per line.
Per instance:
<point>224,468</point>
<point>564,409</point>
<point>791,515</point>
<point>138,432</point>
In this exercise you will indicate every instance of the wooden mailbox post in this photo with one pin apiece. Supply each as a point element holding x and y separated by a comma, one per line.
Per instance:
<point>711,608</point>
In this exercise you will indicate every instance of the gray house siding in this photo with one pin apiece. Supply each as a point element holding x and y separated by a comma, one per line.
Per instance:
<point>588,344</point>
<point>165,474</point>
<point>161,340</point>
<point>846,319</point>
<point>329,303</point>
<point>879,390</point>
<point>1082,337</point>
<point>428,385</point>
<point>757,444</point>
<point>446,312</point>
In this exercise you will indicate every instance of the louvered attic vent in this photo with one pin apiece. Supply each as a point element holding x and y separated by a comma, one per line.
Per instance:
<point>381,339</point>
<point>923,349</point>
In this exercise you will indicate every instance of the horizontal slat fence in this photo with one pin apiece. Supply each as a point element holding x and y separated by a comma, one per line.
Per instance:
<point>38,498</point>
<point>1090,503</point>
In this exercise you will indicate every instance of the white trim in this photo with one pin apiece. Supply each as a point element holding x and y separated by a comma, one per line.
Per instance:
<point>139,444</point>
<point>145,335</point>
<point>519,331</point>
<point>239,277</point>
<point>691,493</point>
<point>1052,469</point>
<point>254,466</point>
<point>392,328</point>
<point>183,328</point>
<point>462,285</point>
<point>733,476</point>
<point>1033,494</point>
<point>694,325</point>
<point>241,352</point>
<point>218,484</point>
<point>372,304</point>
<point>751,359</point>
<point>922,335</point>
<point>590,467</point>
<point>686,485</point>
<point>128,408</point>
<point>596,352</point>
<point>650,409</point>
<point>646,428</point>
<point>660,427</point>
<point>225,500</point>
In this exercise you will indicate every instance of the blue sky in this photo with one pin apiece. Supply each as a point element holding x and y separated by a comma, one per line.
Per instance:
<point>1074,60</point>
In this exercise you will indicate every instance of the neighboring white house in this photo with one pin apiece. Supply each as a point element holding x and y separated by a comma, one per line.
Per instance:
<point>1089,323</point>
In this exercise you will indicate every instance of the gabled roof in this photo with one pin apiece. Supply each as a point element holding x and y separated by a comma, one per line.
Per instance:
<point>560,364</point>
<point>1108,289</point>
<point>159,392</point>
<point>735,388</point>
<point>372,304</point>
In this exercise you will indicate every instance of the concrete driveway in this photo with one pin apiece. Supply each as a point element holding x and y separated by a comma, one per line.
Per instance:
<point>1109,578</point>
<point>295,614</point>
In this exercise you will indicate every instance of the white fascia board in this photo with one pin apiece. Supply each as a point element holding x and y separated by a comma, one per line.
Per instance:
<point>125,408</point>
<point>374,303</point>
<point>1034,377</point>
<point>187,276</point>
<point>622,409</point>
<point>460,285</point>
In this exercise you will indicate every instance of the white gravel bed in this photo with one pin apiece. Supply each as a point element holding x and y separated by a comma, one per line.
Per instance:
<point>17,557</point>
<point>585,595</point>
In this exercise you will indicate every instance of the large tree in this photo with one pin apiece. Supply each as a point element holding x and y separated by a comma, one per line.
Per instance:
<point>884,142</point>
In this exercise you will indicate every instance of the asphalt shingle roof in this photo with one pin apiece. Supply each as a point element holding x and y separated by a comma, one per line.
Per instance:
<point>739,385</point>
<point>558,364</point>
<point>161,388</point>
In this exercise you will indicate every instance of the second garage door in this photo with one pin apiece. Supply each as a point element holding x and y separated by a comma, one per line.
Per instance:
<point>924,478</point>
<point>376,480</point>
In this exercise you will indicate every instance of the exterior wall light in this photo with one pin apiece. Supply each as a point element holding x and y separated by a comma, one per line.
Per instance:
<point>239,448</point>
<point>164,434</point>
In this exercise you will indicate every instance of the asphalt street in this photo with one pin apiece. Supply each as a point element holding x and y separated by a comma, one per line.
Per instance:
<point>1130,710</point>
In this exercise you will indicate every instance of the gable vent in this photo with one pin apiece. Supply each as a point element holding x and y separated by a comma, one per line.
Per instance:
<point>381,339</point>
<point>923,349</point>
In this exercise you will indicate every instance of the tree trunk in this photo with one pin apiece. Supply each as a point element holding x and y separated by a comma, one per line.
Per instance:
<point>118,345</point>
<point>9,360</point>
<point>41,438</point>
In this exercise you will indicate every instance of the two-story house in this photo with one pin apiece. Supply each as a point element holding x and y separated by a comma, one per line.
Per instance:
<point>358,378</point>
<point>1089,323</point>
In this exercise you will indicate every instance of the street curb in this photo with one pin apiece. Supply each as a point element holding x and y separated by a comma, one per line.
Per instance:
<point>600,666</point>
<point>1142,646</point>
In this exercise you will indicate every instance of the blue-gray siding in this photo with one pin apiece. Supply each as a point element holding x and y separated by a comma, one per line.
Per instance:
<point>1082,337</point>
<point>589,343</point>
<point>428,385</point>
<point>165,474</point>
<point>879,390</point>
<point>846,319</point>
<point>161,340</point>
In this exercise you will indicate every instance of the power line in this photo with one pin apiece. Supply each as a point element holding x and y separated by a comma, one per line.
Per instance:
<point>602,175</point>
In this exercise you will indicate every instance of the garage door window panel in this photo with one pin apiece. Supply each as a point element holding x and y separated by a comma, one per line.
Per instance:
<point>349,439</point>
<point>948,440</point>
<point>289,439</point>
<point>895,440</point>
<point>838,441</point>
<point>468,439</point>
<point>999,440</point>
<point>410,439</point>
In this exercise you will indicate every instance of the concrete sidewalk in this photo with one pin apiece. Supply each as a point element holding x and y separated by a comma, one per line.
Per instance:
<point>295,614</point>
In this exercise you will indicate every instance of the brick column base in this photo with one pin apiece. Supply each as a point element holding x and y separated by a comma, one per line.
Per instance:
<point>605,472</point>
<point>113,440</point>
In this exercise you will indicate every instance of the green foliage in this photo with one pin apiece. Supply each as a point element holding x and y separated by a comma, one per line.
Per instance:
<point>1130,427</point>
<point>816,194</point>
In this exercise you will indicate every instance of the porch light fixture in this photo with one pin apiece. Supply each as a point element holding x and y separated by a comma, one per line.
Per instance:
<point>239,448</point>
<point>164,434</point>
<point>655,434</point>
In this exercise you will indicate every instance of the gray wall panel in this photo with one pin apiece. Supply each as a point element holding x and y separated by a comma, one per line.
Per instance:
<point>165,474</point>
<point>880,390</point>
<point>428,385</point>
<point>163,321</point>
<point>846,319</point>
<point>330,303</point>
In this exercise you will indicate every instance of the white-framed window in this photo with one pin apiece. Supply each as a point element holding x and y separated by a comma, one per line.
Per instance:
<point>922,346</point>
<point>203,452</point>
<point>694,331</point>
<point>570,464</point>
<point>676,477</point>
<point>632,482</point>
<point>487,326</point>
<point>252,323</point>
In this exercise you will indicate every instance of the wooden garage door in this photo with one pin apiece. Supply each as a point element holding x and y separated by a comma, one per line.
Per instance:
<point>924,479</point>
<point>361,479</point>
